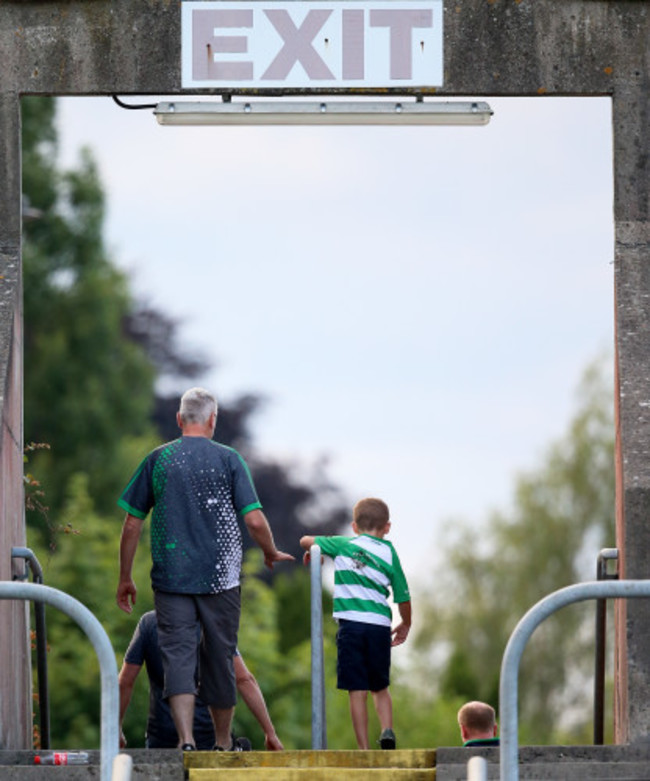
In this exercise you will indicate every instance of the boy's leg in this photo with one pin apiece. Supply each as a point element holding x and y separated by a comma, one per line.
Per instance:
<point>379,638</point>
<point>359,713</point>
<point>351,675</point>
<point>384,707</point>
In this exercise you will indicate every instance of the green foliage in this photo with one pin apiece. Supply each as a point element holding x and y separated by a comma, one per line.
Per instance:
<point>293,593</point>
<point>562,515</point>
<point>85,566</point>
<point>86,386</point>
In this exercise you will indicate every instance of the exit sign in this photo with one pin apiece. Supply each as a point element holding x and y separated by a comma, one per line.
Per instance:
<point>313,44</point>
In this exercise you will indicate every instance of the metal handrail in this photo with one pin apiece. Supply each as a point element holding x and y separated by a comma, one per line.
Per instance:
<point>318,719</point>
<point>622,589</point>
<point>33,563</point>
<point>108,667</point>
<point>605,555</point>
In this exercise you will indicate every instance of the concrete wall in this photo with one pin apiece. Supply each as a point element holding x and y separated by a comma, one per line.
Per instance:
<point>492,47</point>
<point>15,672</point>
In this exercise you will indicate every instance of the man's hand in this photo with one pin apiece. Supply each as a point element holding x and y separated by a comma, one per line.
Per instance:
<point>126,590</point>
<point>260,531</point>
<point>273,743</point>
<point>126,595</point>
<point>277,555</point>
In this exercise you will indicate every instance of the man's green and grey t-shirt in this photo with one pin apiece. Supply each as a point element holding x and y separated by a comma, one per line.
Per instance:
<point>196,488</point>
<point>366,568</point>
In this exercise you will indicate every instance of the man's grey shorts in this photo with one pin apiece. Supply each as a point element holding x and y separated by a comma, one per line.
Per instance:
<point>178,616</point>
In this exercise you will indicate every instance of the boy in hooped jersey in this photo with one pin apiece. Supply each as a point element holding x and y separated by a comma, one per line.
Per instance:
<point>366,569</point>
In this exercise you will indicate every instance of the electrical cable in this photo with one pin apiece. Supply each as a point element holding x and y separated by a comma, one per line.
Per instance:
<point>121,104</point>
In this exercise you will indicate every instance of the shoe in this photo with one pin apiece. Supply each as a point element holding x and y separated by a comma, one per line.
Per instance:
<point>238,744</point>
<point>387,739</point>
<point>188,747</point>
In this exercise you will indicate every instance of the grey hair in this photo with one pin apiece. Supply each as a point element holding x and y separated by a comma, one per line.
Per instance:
<point>197,404</point>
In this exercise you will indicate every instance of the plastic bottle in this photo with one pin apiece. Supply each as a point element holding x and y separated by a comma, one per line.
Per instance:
<point>62,758</point>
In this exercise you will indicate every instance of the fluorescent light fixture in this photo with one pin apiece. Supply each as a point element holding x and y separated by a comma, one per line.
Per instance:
<point>323,113</point>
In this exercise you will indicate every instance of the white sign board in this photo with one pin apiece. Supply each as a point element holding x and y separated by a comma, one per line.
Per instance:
<point>315,44</point>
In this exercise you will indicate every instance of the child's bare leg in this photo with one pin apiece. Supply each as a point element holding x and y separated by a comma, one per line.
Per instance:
<point>359,713</point>
<point>384,707</point>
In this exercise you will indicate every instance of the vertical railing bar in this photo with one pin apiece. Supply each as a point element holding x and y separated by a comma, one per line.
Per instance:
<point>477,769</point>
<point>318,722</point>
<point>41,645</point>
<point>605,555</point>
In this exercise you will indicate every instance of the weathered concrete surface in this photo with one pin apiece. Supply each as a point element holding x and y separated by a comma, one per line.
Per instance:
<point>498,47</point>
<point>148,765</point>
<point>492,47</point>
<point>15,670</point>
<point>552,762</point>
<point>536,762</point>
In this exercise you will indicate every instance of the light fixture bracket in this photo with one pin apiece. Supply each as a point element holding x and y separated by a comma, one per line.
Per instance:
<point>258,112</point>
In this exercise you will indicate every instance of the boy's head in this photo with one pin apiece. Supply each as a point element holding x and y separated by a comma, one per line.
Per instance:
<point>371,515</point>
<point>477,720</point>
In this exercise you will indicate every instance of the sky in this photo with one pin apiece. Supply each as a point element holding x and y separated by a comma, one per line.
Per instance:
<point>417,304</point>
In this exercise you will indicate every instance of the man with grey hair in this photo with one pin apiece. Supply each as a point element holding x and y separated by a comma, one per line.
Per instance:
<point>197,489</point>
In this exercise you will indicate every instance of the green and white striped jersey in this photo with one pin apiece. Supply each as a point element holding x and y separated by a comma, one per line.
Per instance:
<point>366,569</point>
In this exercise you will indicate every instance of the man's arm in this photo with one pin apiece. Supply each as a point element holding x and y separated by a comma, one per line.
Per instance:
<point>259,529</point>
<point>251,693</point>
<point>126,680</point>
<point>400,633</point>
<point>126,590</point>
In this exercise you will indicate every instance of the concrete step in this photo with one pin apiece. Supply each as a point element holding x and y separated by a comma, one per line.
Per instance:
<point>402,765</point>
<point>567,771</point>
<point>313,774</point>
<point>309,759</point>
<point>148,765</point>
<point>573,763</point>
<point>568,763</point>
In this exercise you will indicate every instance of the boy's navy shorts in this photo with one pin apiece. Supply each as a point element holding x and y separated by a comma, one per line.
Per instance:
<point>363,662</point>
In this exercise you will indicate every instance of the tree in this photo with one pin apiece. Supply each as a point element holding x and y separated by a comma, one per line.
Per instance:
<point>87,388</point>
<point>94,356</point>
<point>562,515</point>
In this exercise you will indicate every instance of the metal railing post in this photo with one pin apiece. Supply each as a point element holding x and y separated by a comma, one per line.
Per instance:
<point>605,555</point>
<point>477,769</point>
<point>318,723</point>
<point>41,645</point>
<point>622,589</point>
<point>105,654</point>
